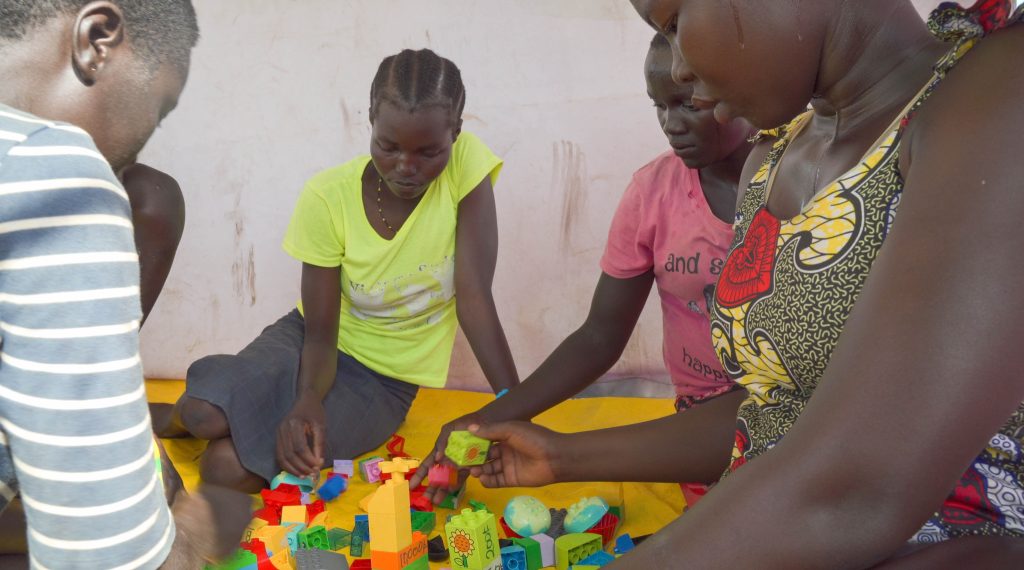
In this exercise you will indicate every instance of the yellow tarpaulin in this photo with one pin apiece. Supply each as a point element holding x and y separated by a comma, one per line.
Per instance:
<point>648,507</point>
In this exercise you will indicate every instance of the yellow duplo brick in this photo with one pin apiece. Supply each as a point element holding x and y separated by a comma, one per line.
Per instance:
<point>282,560</point>
<point>274,537</point>
<point>254,525</point>
<point>293,514</point>
<point>364,503</point>
<point>390,518</point>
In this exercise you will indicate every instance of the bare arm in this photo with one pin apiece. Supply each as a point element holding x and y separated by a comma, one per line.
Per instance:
<point>476,254</point>
<point>584,355</point>
<point>158,214</point>
<point>300,437</point>
<point>927,368</point>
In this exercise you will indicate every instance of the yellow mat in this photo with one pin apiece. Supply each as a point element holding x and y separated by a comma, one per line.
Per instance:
<point>648,507</point>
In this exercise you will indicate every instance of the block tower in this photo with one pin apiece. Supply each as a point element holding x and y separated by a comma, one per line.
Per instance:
<point>394,545</point>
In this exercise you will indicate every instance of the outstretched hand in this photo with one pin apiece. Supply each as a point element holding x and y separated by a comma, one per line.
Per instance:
<point>523,455</point>
<point>438,494</point>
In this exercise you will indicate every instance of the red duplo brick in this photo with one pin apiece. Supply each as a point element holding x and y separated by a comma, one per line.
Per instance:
<point>314,508</point>
<point>269,514</point>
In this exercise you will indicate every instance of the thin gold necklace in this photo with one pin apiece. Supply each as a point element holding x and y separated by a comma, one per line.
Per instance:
<point>380,206</point>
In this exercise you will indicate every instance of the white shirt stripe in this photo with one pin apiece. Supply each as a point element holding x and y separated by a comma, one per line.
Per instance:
<point>88,476</point>
<point>61,184</point>
<point>9,136</point>
<point>44,122</point>
<point>55,151</point>
<point>69,259</point>
<point>76,368</point>
<point>98,543</point>
<point>65,221</point>
<point>76,440</point>
<point>72,405</point>
<point>79,332</point>
<point>96,511</point>
<point>70,296</point>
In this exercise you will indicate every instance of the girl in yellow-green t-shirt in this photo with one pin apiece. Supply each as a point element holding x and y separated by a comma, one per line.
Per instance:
<point>385,242</point>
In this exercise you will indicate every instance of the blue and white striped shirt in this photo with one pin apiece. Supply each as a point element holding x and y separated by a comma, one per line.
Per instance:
<point>75,434</point>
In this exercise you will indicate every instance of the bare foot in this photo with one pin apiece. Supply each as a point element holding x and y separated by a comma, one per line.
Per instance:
<point>209,525</point>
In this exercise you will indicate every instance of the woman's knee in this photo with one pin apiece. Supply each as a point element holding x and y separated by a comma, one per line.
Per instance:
<point>203,420</point>
<point>220,465</point>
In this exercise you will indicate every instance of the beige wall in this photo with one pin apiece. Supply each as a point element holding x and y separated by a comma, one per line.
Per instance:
<point>279,90</point>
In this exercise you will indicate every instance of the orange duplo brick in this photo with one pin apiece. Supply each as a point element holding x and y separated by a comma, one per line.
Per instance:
<point>397,560</point>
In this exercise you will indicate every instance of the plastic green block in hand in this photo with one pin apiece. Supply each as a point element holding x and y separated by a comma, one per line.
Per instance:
<point>466,449</point>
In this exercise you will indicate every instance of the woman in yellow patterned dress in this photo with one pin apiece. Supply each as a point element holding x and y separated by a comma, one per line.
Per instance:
<point>868,305</point>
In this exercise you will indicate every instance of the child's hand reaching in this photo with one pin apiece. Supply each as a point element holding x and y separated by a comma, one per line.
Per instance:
<point>524,455</point>
<point>437,495</point>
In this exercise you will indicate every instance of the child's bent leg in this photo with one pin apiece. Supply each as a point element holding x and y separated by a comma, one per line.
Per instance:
<point>220,465</point>
<point>201,418</point>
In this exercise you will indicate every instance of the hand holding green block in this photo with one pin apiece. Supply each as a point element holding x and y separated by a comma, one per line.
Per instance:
<point>466,449</point>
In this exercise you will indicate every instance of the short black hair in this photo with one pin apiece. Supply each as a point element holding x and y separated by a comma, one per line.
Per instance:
<point>160,30</point>
<point>414,79</point>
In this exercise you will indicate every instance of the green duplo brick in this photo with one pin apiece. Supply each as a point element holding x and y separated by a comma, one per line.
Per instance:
<point>466,449</point>
<point>421,563</point>
<point>339,538</point>
<point>533,555</point>
<point>356,546</point>
<point>424,522</point>
<point>314,538</point>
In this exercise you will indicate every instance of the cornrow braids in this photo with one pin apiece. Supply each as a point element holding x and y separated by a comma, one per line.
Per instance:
<point>415,79</point>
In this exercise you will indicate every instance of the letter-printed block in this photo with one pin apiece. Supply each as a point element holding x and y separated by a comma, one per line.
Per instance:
<point>473,540</point>
<point>383,560</point>
<point>574,548</point>
<point>369,469</point>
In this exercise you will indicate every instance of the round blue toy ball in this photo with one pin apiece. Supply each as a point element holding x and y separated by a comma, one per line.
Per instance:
<point>527,516</point>
<point>585,514</point>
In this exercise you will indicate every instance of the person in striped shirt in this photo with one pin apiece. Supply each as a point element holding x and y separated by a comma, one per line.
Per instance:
<point>83,85</point>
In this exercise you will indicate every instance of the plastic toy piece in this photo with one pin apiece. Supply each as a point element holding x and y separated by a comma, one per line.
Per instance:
<point>294,514</point>
<point>369,469</point>
<point>473,540</point>
<point>314,538</point>
<point>390,522</point>
<point>547,549</point>
<point>478,506</point>
<point>268,514</point>
<point>513,558</point>
<point>240,559</point>
<point>332,488</point>
<point>319,520</point>
<point>466,449</point>
<point>624,544</point>
<point>507,529</point>
<point>254,526</point>
<point>574,548</point>
<point>531,547</point>
<point>606,527</point>
<point>293,536</point>
<point>400,468</point>
<point>305,485</point>
<point>362,564</point>
<point>275,537</point>
<point>257,547</point>
<point>396,447</point>
<point>527,516</point>
<point>586,513</point>
<point>320,560</point>
<point>442,475</point>
<point>453,499</point>
<point>356,546</point>
<point>362,527</point>
<point>306,499</point>
<point>436,550</point>
<point>344,467</point>
<point>424,522</point>
<point>557,523</point>
<point>338,538</point>
<point>404,558</point>
<point>282,560</point>
<point>276,500</point>
<point>420,503</point>
<point>598,559</point>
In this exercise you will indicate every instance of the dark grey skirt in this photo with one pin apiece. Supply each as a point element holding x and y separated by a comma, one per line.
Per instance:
<point>256,389</point>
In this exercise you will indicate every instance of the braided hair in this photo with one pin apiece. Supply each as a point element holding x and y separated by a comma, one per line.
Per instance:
<point>412,80</point>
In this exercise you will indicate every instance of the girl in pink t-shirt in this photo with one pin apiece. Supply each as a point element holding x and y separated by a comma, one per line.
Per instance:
<point>672,228</point>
